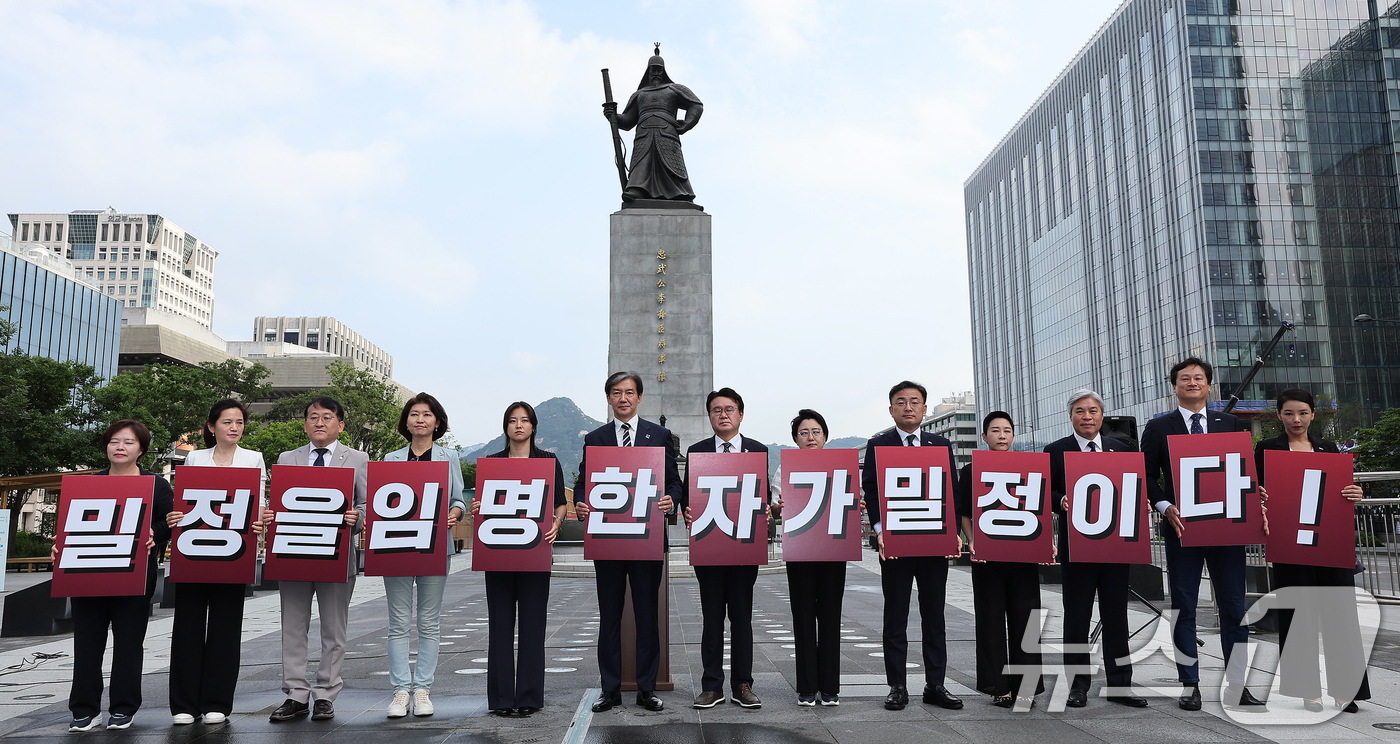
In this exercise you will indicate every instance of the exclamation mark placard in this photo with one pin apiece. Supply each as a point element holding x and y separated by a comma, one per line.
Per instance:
<point>1310,507</point>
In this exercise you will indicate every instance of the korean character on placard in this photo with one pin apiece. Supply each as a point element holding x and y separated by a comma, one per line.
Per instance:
<point>907,510</point>
<point>100,535</point>
<point>511,510</point>
<point>614,494</point>
<point>1013,506</point>
<point>215,528</point>
<point>308,526</point>
<point>715,517</point>
<point>404,522</point>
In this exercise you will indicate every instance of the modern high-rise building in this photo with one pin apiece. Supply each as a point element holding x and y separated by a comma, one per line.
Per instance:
<point>324,333</point>
<point>1201,172</point>
<point>56,314</point>
<point>143,260</point>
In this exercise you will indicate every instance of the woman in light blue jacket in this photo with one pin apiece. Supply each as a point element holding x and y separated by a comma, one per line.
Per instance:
<point>422,423</point>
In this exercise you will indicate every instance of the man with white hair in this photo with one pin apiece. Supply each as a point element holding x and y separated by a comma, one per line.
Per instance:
<point>1082,580</point>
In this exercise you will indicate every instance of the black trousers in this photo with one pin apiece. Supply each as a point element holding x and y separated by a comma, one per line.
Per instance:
<point>1004,597</point>
<point>1110,581</point>
<point>1298,672</point>
<point>897,577</point>
<point>92,616</point>
<point>204,648</point>
<point>815,591</point>
<point>726,588</point>
<point>613,579</point>
<point>509,685</point>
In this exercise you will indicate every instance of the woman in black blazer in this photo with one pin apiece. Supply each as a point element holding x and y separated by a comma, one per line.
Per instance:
<point>512,689</point>
<point>1299,675</point>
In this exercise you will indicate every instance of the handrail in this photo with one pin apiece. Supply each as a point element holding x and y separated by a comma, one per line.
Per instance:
<point>1379,475</point>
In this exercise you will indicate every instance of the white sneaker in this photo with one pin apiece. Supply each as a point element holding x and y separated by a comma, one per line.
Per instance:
<point>210,718</point>
<point>422,706</point>
<point>399,707</point>
<point>181,719</point>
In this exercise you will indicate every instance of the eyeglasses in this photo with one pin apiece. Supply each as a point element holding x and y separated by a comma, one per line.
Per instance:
<point>809,433</point>
<point>731,410</point>
<point>317,418</point>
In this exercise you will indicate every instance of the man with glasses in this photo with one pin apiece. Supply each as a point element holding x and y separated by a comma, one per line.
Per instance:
<point>627,429</point>
<point>325,420</point>
<point>725,588</point>
<point>897,575</point>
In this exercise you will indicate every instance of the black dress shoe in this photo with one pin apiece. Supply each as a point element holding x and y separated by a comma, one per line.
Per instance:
<point>648,699</point>
<point>939,695</point>
<point>1077,699</point>
<point>289,710</point>
<point>1351,708</point>
<point>897,699</point>
<point>503,712</point>
<point>1191,700</point>
<point>526,710</point>
<point>1131,701</point>
<point>323,711</point>
<point>607,701</point>
<point>1247,702</point>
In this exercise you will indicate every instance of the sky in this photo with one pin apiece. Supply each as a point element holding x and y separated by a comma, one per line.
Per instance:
<point>438,175</point>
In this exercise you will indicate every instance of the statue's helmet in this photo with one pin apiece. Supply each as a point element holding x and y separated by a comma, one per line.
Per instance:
<point>655,61</point>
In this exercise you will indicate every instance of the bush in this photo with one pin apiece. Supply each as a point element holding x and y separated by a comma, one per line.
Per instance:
<point>30,545</point>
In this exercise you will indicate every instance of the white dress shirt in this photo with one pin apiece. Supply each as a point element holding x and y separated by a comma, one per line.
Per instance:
<point>736,443</point>
<point>617,429</point>
<point>1084,443</point>
<point>330,452</point>
<point>904,437</point>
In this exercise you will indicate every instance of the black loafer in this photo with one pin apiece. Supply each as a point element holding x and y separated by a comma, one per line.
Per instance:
<point>289,710</point>
<point>939,695</point>
<point>897,699</point>
<point>1077,699</point>
<point>1191,700</point>
<point>1131,701</point>
<point>324,710</point>
<point>1351,707</point>
<point>1247,702</point>
<point>503,712</point>
<point>648,699</point>
<point>526,710</point>
<point>607,701</point>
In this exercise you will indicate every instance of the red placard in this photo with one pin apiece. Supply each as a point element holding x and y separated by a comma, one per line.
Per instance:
<point>1107,516</point>
<point>406,518</point>
<point>623,485</point>
<point>215,542</point>
<point>1310,522</point>
<point>104,522</point>
<point>308,539</point>
<point>916,501</point>
<point>1216,488</point>
<point>1010,507</point>
<point>728,500</point>
<point>517,509</point>
<point>821,519</point>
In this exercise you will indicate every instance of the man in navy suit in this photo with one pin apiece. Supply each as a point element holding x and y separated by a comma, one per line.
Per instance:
<point>1082,580</point>
<point>908,403</point>
<point>725,588</point>
<point>1190,380</point>
<point>624,391</point>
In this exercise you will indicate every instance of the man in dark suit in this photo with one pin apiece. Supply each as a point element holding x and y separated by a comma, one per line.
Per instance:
<point>1082,580</point>
<point>624,391</point>
<point>908,403</point>
<point>725,588</point>
<point>1190,380</point>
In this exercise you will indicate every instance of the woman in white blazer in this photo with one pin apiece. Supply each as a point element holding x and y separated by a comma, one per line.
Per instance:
<point>422,423</point>
<point>208,629</point>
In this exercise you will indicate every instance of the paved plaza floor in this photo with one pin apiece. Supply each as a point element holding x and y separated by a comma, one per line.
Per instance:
<point>34,689</point>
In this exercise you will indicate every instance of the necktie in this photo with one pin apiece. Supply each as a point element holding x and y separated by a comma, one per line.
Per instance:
<point>1093,447</point>
<point>909,440</point>
<point>321,453</point>
<point>728,447</point>
<point>626,435</point>
<point>1196,424</point>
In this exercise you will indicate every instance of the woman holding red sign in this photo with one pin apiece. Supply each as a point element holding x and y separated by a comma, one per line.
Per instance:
<point>1298,672</point>
<point>124,442</point>
<point>511,689</point>
<point>422,422</point>
<point>208,630</point>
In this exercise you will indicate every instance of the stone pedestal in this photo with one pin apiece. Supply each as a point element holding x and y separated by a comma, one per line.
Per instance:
<point>649,247</point>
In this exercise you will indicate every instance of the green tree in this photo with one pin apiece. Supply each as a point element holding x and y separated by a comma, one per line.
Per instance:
<point>272,438</point>
<point>173,401</point>
<point>468,474</point>
<point>372,408</point>
<point>1378,448</point>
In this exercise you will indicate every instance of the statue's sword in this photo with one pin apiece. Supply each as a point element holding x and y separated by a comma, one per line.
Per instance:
<point>617,138</point>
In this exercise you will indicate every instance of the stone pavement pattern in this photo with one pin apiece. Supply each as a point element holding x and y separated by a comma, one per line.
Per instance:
<point>33,698</point>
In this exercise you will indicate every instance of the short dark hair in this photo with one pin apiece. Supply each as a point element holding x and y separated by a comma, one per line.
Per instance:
<point>1297,394</point>
<point>724,392</point>
<point>616,378</point>
<point>529,410</point>
<point>143,435</point>
<point>805,414</point>
<point>1191,362</point>
<point>209,439</point>
<point>993,416</point>
<point>909,385</point>
<point>434,406</point>
<point>326,402</point>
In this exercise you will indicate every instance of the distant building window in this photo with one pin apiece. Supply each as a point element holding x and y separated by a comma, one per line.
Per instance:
<point>126,233</point>
<point>24,231</point>
<point>58,231</point>
<point>138,232</point>
<point>122,289</point>
<point>48,231</point>
<point>290,336</point>
<point>104,232</point>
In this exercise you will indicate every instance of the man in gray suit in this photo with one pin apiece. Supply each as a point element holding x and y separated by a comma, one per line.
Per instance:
<point>325,420</point>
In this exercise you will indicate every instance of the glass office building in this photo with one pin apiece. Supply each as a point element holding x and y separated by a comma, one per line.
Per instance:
<point>1203,171</point>
<point>57,315</point>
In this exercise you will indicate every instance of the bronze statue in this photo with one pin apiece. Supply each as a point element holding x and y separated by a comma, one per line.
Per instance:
<point>657,176</point>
